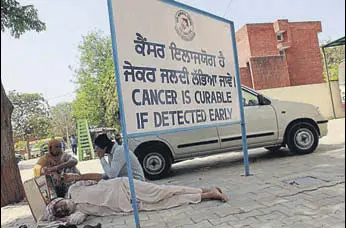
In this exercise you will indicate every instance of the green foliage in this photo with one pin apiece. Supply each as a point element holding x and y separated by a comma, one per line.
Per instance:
<point>96,96</point>
<point>30,114</point>
<point>334,55</point>
<point>20,145</point>
<point>38,144</point>
<point>63,123</point>
<point>19,19</point>
<point>40,126</point>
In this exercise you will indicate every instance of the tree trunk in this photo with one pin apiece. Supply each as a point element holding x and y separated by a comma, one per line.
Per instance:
<point>11,184</point>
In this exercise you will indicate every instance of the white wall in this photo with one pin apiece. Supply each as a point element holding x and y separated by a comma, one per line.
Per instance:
<point>316,94</point>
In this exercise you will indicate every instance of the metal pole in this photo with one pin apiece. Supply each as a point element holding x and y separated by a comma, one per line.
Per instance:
<point>328,76</point>
<point>122,116</point>
<point>241,105</point>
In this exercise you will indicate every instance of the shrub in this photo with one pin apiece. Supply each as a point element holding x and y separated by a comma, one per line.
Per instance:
<point>20,145</point>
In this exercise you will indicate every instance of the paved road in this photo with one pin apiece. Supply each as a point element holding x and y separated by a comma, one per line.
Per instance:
<point>282,191</point>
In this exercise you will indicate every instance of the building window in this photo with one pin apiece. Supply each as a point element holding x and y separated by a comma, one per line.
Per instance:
<point>282,52</point>
<point>279,37</point>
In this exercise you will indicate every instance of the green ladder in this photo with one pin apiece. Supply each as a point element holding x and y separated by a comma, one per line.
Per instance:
<point>85,146</point>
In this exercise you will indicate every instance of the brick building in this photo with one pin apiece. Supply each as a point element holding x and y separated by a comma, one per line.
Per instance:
<point>279,54</point>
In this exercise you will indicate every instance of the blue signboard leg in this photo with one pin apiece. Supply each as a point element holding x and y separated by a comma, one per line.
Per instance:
<point>122,117</point>
<point>132,187</point>
<point>241,104</point>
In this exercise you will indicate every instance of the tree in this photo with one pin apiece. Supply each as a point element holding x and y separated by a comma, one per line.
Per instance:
<point>63,123</point>
<point>96,96</point>
<point>30,115</point>
<point>11,190</point>
<point>333,56</point>
<point>40,125</point>
<point>18,19</point>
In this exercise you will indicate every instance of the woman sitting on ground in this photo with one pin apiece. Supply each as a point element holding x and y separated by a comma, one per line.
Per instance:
<point>112,197</point>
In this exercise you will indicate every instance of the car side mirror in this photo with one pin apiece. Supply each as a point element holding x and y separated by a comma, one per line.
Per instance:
<point>262,100</point>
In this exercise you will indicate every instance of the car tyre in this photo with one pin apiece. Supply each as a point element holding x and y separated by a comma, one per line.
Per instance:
<point>302,139</point>
<point>155,160</point>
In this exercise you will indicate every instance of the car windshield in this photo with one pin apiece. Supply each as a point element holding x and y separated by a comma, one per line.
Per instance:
<point>249,90</point>
<point>254,92</point>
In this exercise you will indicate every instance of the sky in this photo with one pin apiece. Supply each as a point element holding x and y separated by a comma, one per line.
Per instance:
<point>39,62</point>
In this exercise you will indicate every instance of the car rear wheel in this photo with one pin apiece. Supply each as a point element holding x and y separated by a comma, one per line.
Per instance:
<point>155,160</point>
<point>302,139</point>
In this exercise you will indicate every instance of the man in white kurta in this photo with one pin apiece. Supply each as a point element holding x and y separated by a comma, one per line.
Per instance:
<point>116,165</point>
<point>113,196</point>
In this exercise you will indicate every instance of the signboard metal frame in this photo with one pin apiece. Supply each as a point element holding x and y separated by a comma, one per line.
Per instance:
<point>121,104</point>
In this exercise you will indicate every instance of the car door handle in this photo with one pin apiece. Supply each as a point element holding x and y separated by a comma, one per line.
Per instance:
<point>283,112</point>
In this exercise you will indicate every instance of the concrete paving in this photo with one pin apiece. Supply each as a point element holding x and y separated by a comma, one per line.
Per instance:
<point>282,191</point>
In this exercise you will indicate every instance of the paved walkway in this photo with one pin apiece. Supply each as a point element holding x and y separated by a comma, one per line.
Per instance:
<point>293,191</point>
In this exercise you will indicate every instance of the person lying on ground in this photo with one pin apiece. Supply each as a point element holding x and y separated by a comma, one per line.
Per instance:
<point>116,165</point>
<point>65,181</point>
<point>112,197</point>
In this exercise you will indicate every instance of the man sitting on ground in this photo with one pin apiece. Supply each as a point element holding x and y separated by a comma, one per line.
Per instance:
<point>116,165</point>
<point>55,161</point>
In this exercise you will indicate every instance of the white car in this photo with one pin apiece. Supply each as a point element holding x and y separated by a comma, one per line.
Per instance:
<point>270,123</point>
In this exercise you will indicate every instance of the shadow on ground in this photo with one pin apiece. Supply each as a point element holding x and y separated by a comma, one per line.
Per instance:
<point>22,216</point>
<point>18,221</point>
<point>325,148</point>
<point>234,159</point>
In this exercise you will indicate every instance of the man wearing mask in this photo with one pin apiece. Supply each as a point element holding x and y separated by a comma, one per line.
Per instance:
<point>116,165</point>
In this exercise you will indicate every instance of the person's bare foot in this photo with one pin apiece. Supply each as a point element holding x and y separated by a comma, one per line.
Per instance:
<point>214,193</point>
<point>219,195</point>
<point>211,189</point>
<point>223,196</point>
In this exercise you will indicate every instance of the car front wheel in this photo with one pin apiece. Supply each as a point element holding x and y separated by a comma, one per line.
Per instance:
<point>302,139</point>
